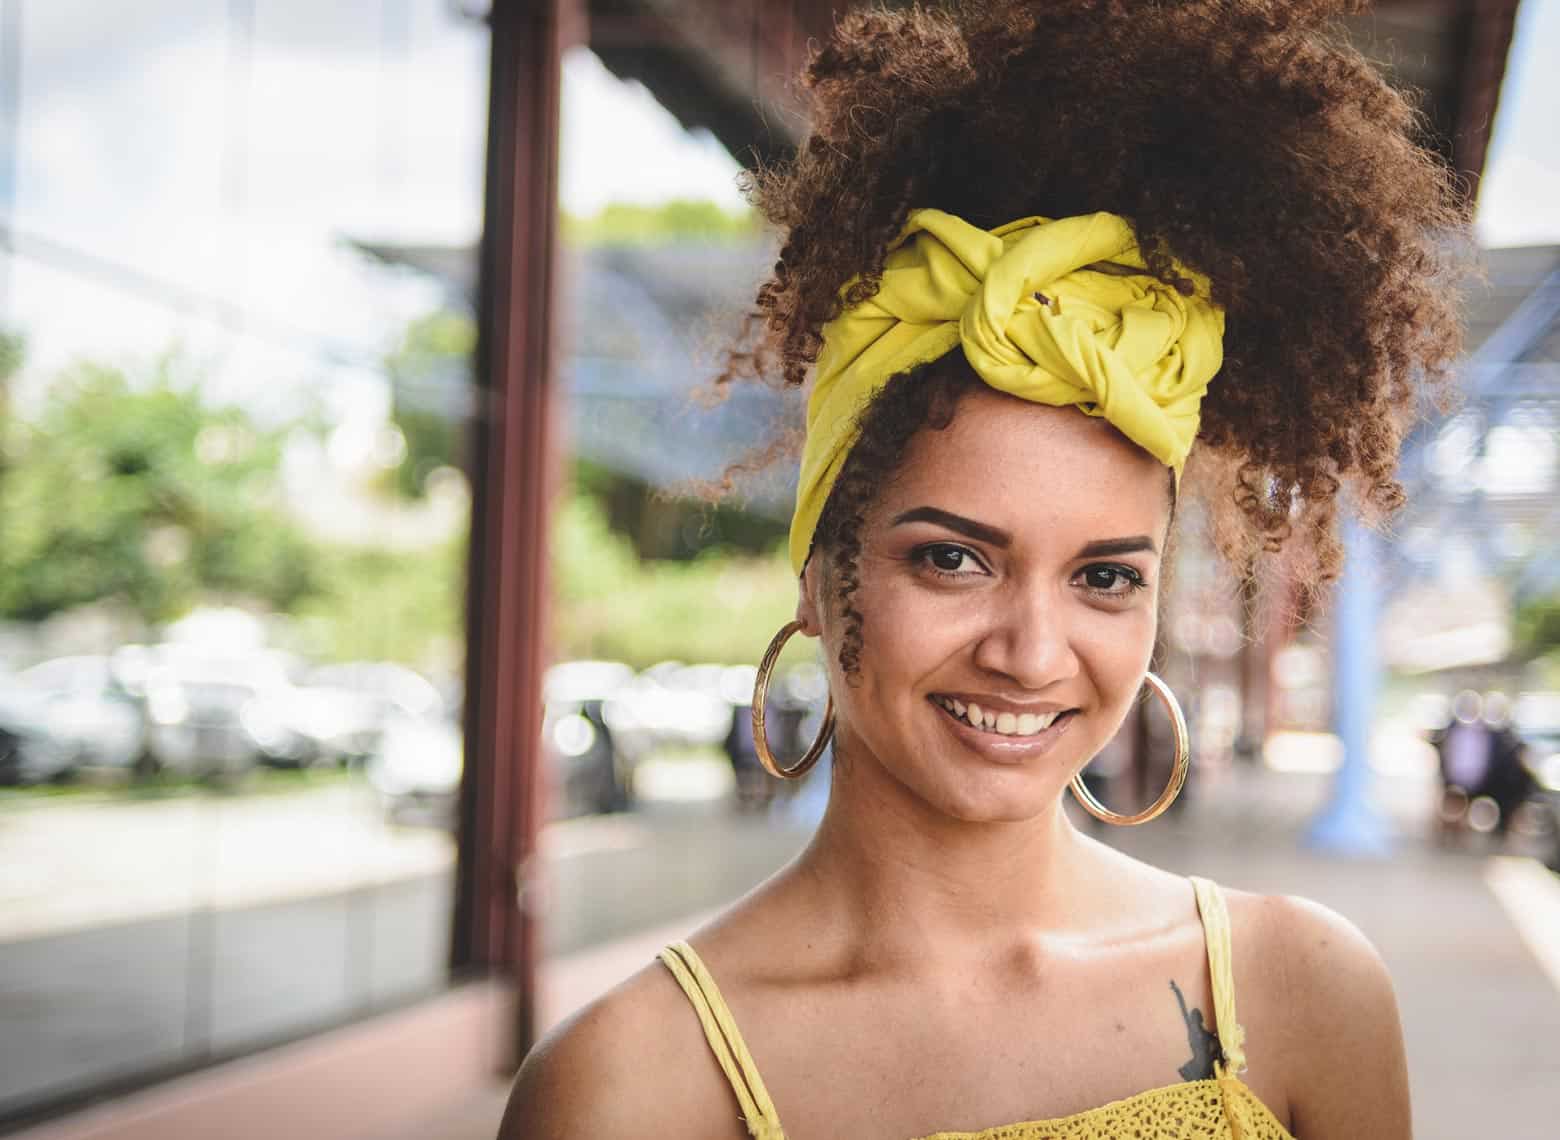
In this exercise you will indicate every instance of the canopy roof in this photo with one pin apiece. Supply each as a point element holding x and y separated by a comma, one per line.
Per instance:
<point>726,65</point>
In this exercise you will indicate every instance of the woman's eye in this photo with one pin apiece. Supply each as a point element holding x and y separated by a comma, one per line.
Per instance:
<point>1114,580</point>
<point>946,558</point>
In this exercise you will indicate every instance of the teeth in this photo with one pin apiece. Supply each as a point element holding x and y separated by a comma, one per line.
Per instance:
<point>1004,724</point>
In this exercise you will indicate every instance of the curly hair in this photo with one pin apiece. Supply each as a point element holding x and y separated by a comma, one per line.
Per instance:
<point>1245,137</point>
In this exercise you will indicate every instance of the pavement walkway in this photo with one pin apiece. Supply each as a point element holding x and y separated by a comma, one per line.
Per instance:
<point>1472,937</point>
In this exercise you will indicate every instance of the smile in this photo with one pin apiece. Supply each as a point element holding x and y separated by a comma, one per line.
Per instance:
<point>997,723</point>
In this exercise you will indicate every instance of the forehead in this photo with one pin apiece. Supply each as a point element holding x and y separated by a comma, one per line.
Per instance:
<point>1012,462</point>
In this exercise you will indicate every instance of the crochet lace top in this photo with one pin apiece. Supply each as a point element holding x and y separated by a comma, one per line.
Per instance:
<point>1218,1108</point>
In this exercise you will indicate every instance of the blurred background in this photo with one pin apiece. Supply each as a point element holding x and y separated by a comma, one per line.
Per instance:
<point>372,667</point>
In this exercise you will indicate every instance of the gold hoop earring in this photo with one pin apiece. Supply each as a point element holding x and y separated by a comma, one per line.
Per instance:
<point>760,699</point>
<point>1183,762</point>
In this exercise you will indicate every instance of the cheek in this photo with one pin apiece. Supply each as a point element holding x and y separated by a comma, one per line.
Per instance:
<point>1116,658</point>
<point>858,626</point>
<point>903,638</point>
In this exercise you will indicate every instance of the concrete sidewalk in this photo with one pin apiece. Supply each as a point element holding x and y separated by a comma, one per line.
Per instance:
<point>1481,1011</point>
<point>1468,935</point>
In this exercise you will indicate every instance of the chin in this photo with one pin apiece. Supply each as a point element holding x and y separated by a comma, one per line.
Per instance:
<point>1000,813</point>
<point>1002,796</point>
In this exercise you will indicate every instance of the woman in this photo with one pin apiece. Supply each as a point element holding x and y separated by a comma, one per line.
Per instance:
<point>1031,252</point>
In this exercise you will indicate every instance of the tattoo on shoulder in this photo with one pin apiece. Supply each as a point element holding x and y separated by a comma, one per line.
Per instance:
<point>1204,1043</point>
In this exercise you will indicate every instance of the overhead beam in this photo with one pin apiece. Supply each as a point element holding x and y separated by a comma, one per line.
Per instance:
<point>727,67</point>
<point>1485,33</point>
<point>1454,53</point>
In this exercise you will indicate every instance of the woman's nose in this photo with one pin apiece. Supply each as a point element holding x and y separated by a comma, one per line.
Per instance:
<point>1028,639</point>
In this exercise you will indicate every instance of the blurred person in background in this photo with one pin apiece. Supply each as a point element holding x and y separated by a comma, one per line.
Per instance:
<point>1484,777</point>
<point>1510,784</point>
<point>1464,747</point>
<point>1027,252</point>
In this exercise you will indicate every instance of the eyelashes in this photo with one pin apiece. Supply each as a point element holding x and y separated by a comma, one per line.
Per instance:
<point>951,561</point>
<point>947,560</point>
<point>1118,574</point>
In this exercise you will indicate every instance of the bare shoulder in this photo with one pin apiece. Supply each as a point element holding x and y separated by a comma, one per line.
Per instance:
<point>1311,956</point>
<point>632,1063</point>
<point>1319,1006</point>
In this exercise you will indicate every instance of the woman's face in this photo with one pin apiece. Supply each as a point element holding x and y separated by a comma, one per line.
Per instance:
<point>1009,574</point>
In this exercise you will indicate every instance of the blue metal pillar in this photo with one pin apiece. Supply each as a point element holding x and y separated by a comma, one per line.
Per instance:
<point>1351,824</point>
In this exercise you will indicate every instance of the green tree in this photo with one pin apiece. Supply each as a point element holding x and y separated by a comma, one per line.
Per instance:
<point>1537,627</point>
<point>13,352</point>
<point>383,605</point>
<point>627,223</point>
<point>139,492</point>
<point>719,607</point>
<point>430,372</point>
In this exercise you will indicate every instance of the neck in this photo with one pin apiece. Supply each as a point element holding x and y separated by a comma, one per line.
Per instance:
<point>905,878</point>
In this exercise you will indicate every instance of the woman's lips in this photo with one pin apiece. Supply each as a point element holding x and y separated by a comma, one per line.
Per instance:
<point>1009,745</point>
<point>1003,721</point>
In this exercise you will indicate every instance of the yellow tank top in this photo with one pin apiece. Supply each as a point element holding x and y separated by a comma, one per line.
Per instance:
<point>1219,1108</point>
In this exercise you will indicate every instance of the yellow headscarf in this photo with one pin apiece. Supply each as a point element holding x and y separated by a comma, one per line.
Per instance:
<point>1049,311</point>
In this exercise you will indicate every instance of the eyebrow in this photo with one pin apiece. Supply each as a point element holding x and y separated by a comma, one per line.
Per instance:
<point>1108,546</point>
<point>979,531</point>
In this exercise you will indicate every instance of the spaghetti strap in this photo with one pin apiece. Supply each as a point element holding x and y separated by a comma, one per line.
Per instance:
<point>1216,932</point>
<point>720,1030</point>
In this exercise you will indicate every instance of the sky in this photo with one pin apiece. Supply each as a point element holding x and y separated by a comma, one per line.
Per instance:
<point>610,127</point>
<point>182,183</point>
<point>1519,200</point>
<point>185,180</point>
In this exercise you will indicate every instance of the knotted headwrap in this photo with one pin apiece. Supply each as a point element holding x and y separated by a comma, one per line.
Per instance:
<point>1056,312</point>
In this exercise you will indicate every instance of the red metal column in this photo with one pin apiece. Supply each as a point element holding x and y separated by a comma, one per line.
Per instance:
<point>513,465</point>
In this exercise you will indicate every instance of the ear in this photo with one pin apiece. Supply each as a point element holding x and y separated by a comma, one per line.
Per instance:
<point>808,610</point>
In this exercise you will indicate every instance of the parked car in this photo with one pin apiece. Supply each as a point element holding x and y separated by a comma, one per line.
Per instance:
<point>215,715</point>
<point>591,773</point>
<point>100,720</point>
<point>67,714</point>
<point>417,768</point>
<point>29,751</point>
<point>346,707</point>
